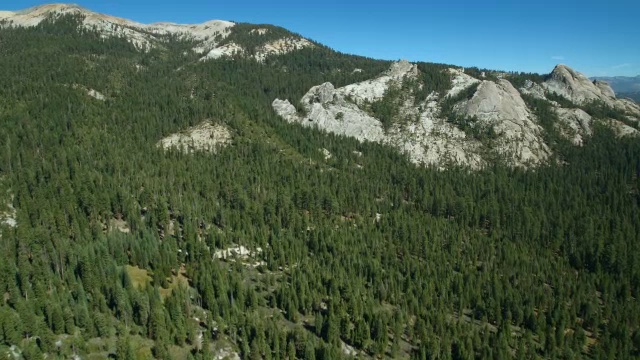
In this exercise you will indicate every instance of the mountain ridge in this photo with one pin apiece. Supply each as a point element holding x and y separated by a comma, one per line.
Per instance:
<point>208,35</point>
<point>624,86</point>
<point>494,121</point>
<point>495,106</point>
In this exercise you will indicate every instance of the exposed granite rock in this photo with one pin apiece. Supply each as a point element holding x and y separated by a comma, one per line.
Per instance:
<point>500,106</point>
<point>285,109</point>
<point>206,36</point>
<point>460,81</point>
<point>575,86</point>
<point>533,89</point>
<point>230,49</point>
<point>575,124</point>
<point>630,107</point>
<point>605,89</point>
<point>143,36</point>
<point>328,110</point>
<point>282,46</point>
<point>579,89</point>
<point>372,90</point>
<point>427,140</point>
<point>621,129</point>
<point>204,137</point>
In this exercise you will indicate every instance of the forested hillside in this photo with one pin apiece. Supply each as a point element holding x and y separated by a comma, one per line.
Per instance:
<point>288,243</point>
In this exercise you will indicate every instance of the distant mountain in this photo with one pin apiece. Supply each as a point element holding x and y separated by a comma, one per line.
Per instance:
<point>211,40</point>
<point>635,96</point>
<point>624,86</point>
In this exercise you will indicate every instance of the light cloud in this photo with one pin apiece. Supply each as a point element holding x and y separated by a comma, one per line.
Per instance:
<point>557,57</point>
<point>621,66</point>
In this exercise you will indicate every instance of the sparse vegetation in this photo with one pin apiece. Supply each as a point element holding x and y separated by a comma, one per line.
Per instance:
<point>561,100</point>
<point>519,79</point>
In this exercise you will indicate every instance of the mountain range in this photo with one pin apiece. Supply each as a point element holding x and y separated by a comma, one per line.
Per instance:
<point>486,116</point>
<point>232,190</point>
<point>624,86</point>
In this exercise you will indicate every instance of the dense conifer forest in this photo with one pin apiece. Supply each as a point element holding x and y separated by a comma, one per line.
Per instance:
<point>362,251</point>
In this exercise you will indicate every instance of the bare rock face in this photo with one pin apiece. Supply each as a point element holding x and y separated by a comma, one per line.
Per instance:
<point>427,139</point>
<point>282,46</point>
<point>460,81</point>
<point>575,86</point>
<point>207,36</point>
<point>605,89</point>
<point>500,106</point>
<point>328,110</point>
<point>630,107</point>
<point>579,89</point>
<point>204,137</point>
<point>91,92</point>
<point>372,90</point>
<point>286,110</point>
<point>8,217</point>
<point>143,36</point>
<point>8,214</point>
<point>533,89</point>
<point>621,129</point>
<point>230,49</point>
<point>575,124</point>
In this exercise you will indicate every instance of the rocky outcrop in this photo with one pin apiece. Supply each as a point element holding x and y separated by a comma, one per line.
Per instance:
<point>425,138</point>
<point>282,46</point>
<point>207,37</point>
<point>621,129</point>
<point>143,36</point>
<point>581,90</point>
<point>204,137</point>
<point>91,92</point>
<point>575,86</point>
<point>460,81</point>
<point>230,49</point>
<point>630,107</point>
<point>496,108</point>
<point>605,89</point>
<point>575,124</point>
<point>533,89</point>
<point>327,109</point>
<point>260,31</point>
<point>372,90</point>
<point>500,106</point>
<point>277,47</point>
<point>96,95</point>
<point>8,213</point>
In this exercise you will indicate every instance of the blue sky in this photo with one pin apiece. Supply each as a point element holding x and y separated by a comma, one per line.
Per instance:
<point>599,38</point>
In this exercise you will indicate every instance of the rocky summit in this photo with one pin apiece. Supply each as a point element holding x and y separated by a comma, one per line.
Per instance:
<point>208,38</point>
<point>427,136</point>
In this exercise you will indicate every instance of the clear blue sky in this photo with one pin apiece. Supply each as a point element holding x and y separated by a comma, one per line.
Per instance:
<point>594,37</point>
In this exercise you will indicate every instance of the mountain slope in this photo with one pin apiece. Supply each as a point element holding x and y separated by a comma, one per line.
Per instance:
<point>208,38</point>
<point>177,216</point>
<point>490,120</point>
<point>621,84</point>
